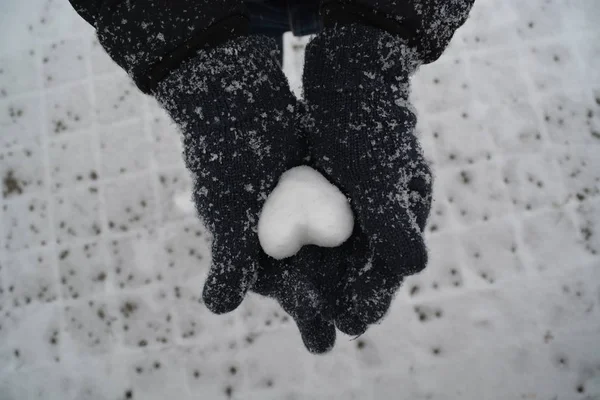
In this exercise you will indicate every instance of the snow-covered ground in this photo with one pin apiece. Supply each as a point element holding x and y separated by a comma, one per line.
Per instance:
<point>101,262</point>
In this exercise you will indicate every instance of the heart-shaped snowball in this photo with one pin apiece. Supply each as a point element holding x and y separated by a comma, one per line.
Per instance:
<point>304,208</point>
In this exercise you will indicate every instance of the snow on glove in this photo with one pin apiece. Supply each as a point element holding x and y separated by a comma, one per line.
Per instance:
<point>426,25</point>
<point>237,114</point>
<point>234,108</point>
<point>150,38</point>
<point>247,140</point>
<point>356,82</point>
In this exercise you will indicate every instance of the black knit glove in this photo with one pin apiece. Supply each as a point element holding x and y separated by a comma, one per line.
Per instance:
<point>426,25</point>
<point>237,114</point>
<point>234,108</point>
<point>356,82</point>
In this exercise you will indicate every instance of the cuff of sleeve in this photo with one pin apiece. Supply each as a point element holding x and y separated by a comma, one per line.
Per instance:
<point>229,28</point>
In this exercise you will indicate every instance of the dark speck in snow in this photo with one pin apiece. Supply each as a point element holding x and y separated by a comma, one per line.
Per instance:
<point>414,290</point>
<point>11,185</point>
<point>466,178</point>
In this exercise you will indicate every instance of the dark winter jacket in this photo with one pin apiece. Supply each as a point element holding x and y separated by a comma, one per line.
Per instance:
<point>275,17</point>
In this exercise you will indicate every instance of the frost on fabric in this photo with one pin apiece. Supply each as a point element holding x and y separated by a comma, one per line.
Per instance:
<point>356,81</point>
<point>235,117</point>
<point>138,35</point>
<point>439,19</point>
<point>304,208</point>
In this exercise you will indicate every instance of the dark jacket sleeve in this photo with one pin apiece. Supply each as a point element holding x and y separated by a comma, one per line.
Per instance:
<point>150,38</point>
<point>427,25</point>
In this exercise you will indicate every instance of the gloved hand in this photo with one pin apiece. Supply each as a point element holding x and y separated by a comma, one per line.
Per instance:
<point>356,82</point>
<point>238,141</point>
<point>426,25</point>
<point>236,113</point>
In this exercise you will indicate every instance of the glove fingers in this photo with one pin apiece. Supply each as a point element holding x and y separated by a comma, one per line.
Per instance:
<point>397,243</point>
<point>324,268</point>
<point>318,334</point>
<point>231,275</point>
<point>368,293</point>
<point>350,324</point>
<point>369,288</point>
<point>301,300</point>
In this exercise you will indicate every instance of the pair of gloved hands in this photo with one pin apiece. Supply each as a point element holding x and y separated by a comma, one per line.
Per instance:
<point>242,128</point>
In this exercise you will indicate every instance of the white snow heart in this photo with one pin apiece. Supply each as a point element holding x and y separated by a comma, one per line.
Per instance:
<point>304,208</point>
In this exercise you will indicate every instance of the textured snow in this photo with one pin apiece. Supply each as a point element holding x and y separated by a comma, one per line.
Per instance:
<point>508,308</point>
<point>304,208</point>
